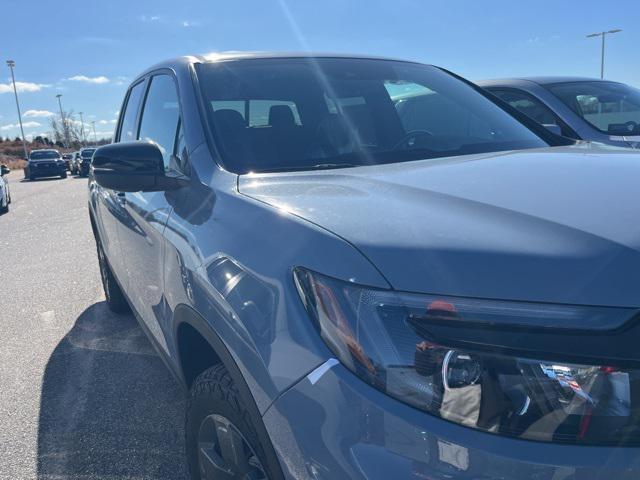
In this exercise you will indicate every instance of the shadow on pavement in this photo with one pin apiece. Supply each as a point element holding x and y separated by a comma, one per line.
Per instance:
<point>109,407</point>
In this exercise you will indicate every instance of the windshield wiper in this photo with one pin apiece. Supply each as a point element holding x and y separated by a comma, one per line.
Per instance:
<point>325,166</point>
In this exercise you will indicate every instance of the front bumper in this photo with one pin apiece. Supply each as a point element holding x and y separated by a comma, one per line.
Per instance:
<point>341,428</point>
<point>47,169</point>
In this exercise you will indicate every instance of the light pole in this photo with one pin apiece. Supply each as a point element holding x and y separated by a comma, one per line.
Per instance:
<point>64,123</point>
<point>82,128</point>
<point>603,34</point>
<point>95,137</point>
<point>11,64</point>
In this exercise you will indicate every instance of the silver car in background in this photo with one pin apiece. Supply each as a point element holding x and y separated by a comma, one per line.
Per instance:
<point>581,108</point>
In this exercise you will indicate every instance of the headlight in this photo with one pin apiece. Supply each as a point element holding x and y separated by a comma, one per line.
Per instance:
<point>546,372</point>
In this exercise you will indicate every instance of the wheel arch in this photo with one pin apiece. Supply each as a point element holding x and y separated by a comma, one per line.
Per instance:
<point>190,326</point>
<point>193,333</point>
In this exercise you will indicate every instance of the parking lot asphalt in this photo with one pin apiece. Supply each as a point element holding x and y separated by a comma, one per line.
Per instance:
<point>82,393</point>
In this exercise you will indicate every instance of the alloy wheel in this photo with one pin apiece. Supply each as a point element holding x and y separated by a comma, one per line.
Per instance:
<point>224,453</point>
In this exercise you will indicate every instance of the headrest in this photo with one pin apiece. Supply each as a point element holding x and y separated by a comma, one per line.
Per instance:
<point>227,120</point>
<point>281,116</point>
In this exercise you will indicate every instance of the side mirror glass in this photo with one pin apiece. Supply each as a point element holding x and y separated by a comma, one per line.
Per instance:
<point>4,170</point>
<point>132,167</point>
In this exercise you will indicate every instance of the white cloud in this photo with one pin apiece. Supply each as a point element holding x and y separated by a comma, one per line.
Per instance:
<point>38,113</point>
<point>189,23</point>
<point>22,87</point>
<point>11,126</point>
<point>150,18</point>
<point>83,78</point>
<point>106,122</point>
<point>100,134</point>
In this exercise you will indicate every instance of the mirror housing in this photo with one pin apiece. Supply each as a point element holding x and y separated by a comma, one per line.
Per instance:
<point>133,167</point>
<point>4,170</point>
<point>553,128</point>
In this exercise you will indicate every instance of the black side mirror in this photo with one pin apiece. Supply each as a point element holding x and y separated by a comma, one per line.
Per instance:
<point>4,170</point>
<point>133,167</point>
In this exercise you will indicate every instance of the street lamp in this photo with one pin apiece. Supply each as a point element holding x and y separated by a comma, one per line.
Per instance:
<point>95,137</point>
<point>603,34</point>
<point>11,64</point>
<point>82,128</point>
<point>64,123</point>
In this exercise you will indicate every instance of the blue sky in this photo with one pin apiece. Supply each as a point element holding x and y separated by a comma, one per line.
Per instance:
<point>89,51</point>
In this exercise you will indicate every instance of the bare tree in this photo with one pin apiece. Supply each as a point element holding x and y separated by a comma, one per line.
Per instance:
<point>68,133</point>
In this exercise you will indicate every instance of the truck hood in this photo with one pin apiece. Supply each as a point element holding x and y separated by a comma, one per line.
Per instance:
<point>557,224</point>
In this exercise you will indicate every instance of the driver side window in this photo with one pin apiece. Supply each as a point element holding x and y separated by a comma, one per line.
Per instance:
<point>161,116</point>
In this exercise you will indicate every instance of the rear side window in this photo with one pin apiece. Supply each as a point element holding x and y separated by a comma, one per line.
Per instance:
<point>161,115</point>
<point>530,106</point>
<point>128,127</point>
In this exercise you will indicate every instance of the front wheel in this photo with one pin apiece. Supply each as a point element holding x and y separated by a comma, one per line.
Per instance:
<point>221,439</point>
<point>64,175</point>
<point>115,298</point>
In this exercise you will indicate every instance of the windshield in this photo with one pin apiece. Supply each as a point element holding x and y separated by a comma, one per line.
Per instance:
<point>612,108</point>
<point>46,154</point>
<point>87,153</point>
<point>288,114</point>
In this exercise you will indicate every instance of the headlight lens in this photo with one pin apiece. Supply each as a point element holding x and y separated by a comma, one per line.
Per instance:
<point>485,364</point>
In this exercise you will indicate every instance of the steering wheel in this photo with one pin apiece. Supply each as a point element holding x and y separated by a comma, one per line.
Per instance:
<point>409,138</point>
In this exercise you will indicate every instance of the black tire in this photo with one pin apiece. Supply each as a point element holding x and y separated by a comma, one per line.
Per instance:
<point>115,298</point>
<point>215,395</point>
<point>4,209</point>
<point>64,175</point>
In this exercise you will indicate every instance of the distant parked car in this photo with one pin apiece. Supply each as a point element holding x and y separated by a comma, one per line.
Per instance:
<point>67,160</point>
<point>84,160</point>
<point>45,163</point>
<point>5,194</point>
<point>580,108</point>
